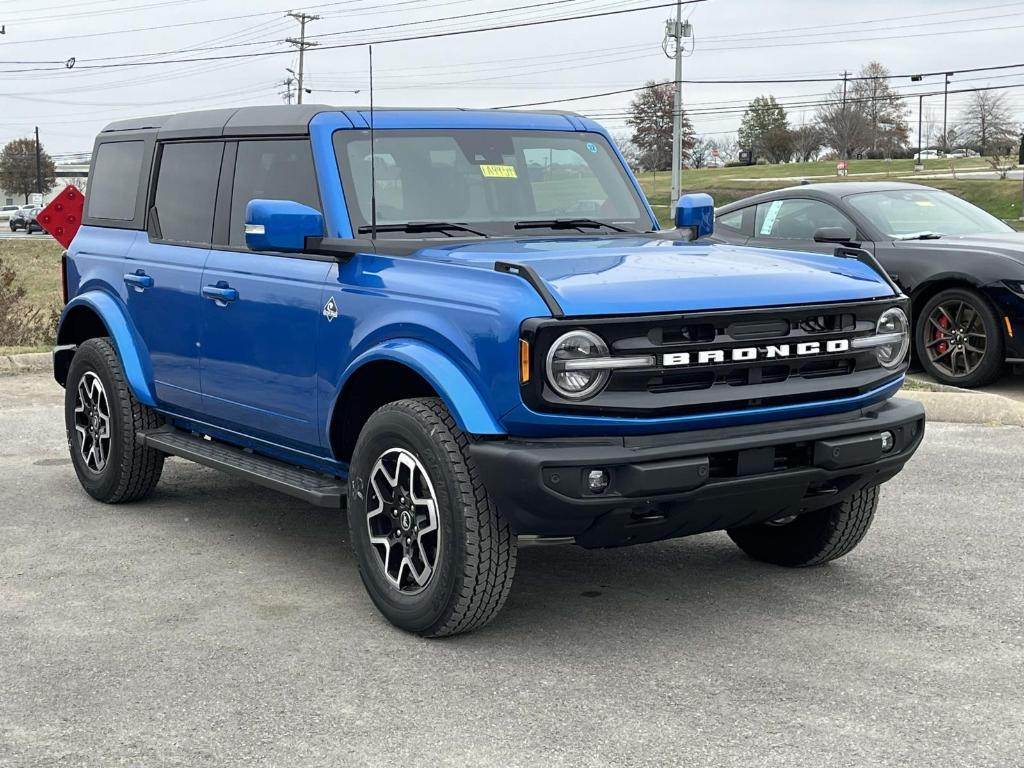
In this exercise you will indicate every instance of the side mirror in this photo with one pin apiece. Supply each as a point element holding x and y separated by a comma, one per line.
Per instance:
<point>696,212</point>
<point>280,225</point>
<point>832,235</point>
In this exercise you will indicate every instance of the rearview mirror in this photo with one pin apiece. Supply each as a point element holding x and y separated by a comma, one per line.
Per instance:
<point>696,212</point>
<point>280,225</point>
<point>832,235</point>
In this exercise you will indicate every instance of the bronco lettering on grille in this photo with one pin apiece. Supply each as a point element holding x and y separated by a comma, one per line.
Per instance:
<point>754,354</point>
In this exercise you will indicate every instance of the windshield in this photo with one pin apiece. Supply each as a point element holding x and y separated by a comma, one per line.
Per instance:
<point>488,180</point>
<point>905,213</point>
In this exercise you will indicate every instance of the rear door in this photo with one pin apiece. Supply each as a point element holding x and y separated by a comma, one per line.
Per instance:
<point>163,269</point>
<point>261,311</point>
<point>790,224</point>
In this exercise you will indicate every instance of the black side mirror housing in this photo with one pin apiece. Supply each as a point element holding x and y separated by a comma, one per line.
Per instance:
<point>832,235</point>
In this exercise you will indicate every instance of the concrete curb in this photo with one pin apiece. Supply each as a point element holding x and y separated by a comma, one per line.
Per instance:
<point>964,407</point>
<point>29,362</point>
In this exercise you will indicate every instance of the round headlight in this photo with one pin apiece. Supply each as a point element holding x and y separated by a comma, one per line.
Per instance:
<point>894,323</point>
<point>576,383</point>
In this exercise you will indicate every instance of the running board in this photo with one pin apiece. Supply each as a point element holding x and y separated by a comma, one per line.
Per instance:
<point>318,489</point>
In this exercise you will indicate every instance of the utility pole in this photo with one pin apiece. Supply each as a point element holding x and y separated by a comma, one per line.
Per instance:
<point>945,107</point>
<point>846,121</point>
<point>287,95</point>
<point>302,44</point>
<point>676,29</point>
<point>920,114</point>
<point>39,165</point>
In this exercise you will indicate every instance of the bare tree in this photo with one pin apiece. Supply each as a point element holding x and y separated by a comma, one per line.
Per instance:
<point>807,142</point>
<point>884,110</point>
<point>987,123</point>
<point>844,127</point>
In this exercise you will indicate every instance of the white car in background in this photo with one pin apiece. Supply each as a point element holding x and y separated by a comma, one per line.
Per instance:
<point>929,154</point>
<point>7,211</point>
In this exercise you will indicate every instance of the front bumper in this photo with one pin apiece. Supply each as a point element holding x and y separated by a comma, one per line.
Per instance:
<point>669,485</point>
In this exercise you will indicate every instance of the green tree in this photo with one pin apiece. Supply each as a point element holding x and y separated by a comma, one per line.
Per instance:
<point>651,120</point>
<point>18,168</point>
<point>764,130</point>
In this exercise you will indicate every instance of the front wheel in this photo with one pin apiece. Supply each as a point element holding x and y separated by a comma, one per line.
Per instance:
<point>434,553</point>
<point>812,538</point>
<point>960,339</point>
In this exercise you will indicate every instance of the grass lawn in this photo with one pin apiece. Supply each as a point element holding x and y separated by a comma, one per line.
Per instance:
<point>36,262</point>
<point>998,197</point>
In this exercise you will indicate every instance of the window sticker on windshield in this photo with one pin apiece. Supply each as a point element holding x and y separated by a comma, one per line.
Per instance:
<point>770,217</point>
<point>592,147</point>
<point>499,171</point>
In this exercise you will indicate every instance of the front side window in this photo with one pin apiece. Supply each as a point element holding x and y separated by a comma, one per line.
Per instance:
<point>732,221</point>
<point>114,186</point>
<point>487,179</point>
<point>271,170</point>
<point>186,191</point>
<point>799,219</point>
<point>909,213</point>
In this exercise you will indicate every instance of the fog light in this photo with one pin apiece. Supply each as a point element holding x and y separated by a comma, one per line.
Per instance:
<point>597,480</point>
<point>888,442</point>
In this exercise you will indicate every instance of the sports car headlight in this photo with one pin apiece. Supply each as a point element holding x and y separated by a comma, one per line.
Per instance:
<point>573,365</point>
<point>893,335</point>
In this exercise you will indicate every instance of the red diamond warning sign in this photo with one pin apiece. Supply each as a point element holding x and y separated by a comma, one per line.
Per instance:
<point>63,216</point>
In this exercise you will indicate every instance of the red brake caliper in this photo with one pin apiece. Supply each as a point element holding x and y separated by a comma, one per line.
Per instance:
<point>942,347</point>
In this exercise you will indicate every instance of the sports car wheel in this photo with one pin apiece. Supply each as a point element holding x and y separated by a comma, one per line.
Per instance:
<point>960,340</point>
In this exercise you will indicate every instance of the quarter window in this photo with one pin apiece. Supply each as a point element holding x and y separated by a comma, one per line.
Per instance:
<point>796,219</point>
<point>186,191</point>
<point>114,188</point>
<point>732,221</point>
<point>271,170</point>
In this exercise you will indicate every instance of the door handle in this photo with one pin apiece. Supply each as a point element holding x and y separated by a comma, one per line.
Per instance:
<point>140,281</point>
<point>221,294</point>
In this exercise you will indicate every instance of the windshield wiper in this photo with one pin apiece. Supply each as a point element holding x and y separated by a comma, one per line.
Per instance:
<point>423,226</point>
<point>569,224</point>
<point>921,236</point>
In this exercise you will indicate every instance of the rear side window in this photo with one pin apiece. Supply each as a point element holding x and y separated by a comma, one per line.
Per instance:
<point>114,187</point>
<point>186,190</point>
<point>271,170</point>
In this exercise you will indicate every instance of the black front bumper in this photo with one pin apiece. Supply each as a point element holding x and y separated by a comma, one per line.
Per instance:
<point>663,486</point>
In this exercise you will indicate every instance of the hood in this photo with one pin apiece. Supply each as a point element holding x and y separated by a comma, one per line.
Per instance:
<point>1010,245</point>
<point>615,275</point>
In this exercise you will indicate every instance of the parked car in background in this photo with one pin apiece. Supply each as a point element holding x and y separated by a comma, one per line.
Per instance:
<point>929,154</point>
<point>7,211</point>
<point>962,267</point>
<point>25,219</point>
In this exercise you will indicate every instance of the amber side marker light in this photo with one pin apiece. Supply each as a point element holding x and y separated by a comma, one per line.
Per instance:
<point>1009,326</point>
<point>524,361</point>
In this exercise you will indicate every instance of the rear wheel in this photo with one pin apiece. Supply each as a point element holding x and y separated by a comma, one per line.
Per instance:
<point>812,538</point>
<point>102,419</point>
<point>960,339</point>
<point>434,553</point>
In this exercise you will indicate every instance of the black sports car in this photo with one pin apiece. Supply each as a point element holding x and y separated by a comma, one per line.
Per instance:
<point>963,268</point>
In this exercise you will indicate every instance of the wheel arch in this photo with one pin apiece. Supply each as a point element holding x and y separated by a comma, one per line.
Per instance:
<point>397,370</point>
<point>95,314</point>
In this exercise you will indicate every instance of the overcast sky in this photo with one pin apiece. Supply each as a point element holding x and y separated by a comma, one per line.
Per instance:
<point>735,39</point>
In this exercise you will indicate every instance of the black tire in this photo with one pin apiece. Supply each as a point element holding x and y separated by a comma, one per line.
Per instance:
<point>993,360</point>
<point>130,471</point>
<point>812,538</point>
<point>474,552</point>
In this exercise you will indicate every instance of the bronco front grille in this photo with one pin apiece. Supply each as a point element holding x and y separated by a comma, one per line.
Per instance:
<point>703,386</point>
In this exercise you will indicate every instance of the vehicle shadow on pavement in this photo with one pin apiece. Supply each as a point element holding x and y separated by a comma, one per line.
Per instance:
<point>699,584</point>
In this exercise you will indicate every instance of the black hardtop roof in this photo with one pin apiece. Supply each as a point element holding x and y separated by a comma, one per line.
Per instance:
<point>279,119</point>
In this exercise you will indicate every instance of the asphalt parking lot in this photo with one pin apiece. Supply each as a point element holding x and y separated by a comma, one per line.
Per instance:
<point>220,624</point>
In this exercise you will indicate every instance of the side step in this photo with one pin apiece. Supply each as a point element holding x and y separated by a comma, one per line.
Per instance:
<point>318,489</point>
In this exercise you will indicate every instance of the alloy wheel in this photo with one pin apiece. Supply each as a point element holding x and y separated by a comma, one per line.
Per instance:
<point>403,520</point>
<point>92,422</point>
<point>956,341</point>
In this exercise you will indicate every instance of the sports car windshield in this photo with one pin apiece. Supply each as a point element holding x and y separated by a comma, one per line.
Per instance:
<point>910,213</point>
<point>489,181</point>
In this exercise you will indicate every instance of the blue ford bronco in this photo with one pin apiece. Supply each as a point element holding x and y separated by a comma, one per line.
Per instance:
<point>465,327</point>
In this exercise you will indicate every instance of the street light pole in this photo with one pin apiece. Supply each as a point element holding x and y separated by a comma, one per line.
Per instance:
<point>945,107</point>
<point>677,104</point>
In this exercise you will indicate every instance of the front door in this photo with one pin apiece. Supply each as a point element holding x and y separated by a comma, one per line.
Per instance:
<point>261,311</point>
<point>163,269</point>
